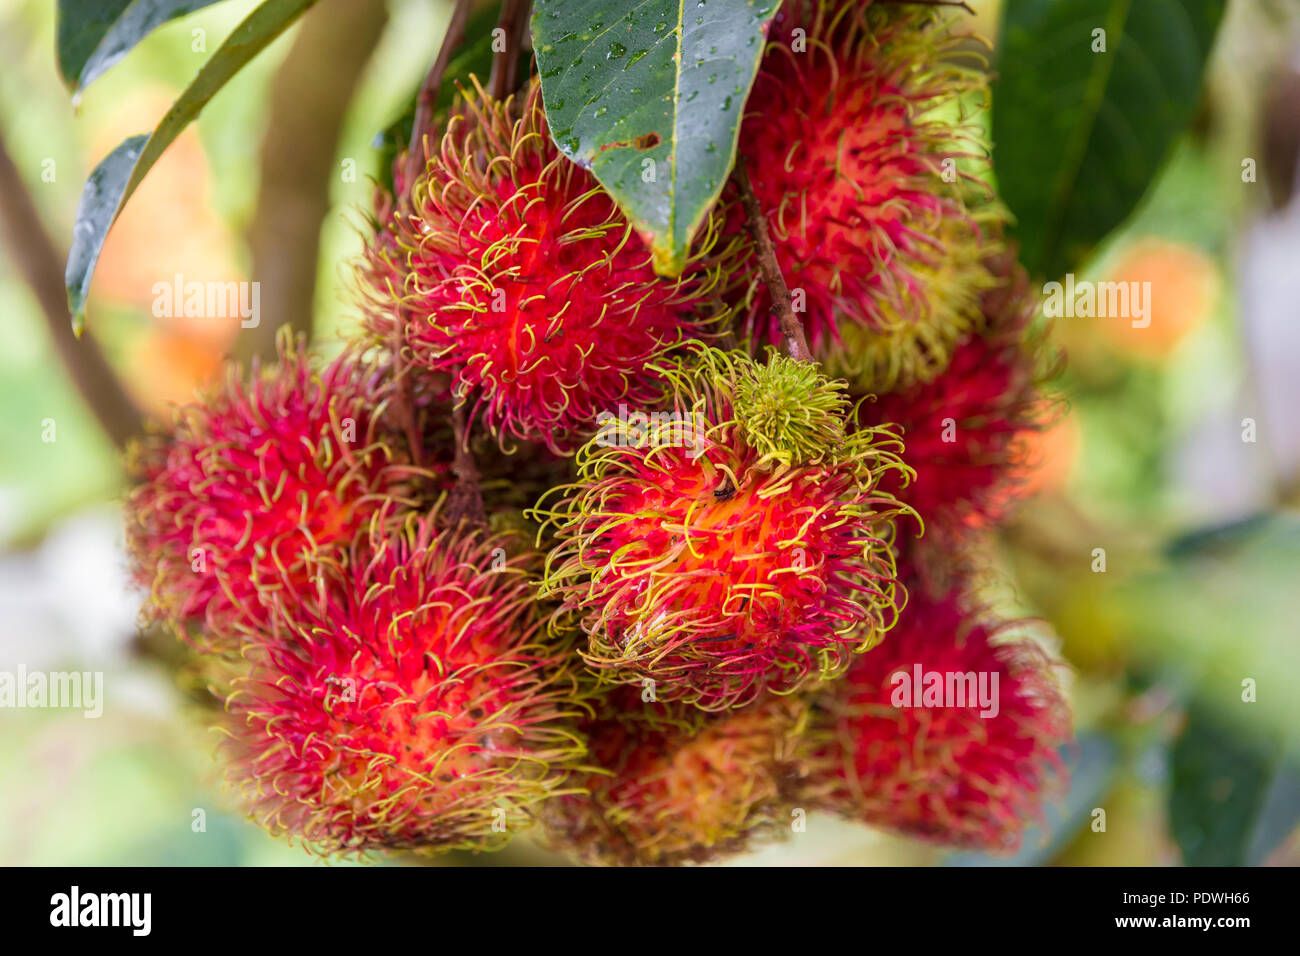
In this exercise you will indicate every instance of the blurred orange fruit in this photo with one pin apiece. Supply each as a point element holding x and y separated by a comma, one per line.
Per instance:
<point>1184,286</point>
<point>1050,455</point>
<point>168,228</point>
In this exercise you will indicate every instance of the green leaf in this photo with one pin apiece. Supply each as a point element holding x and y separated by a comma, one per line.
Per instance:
<point>116,178</point>
<point>649,97</point>
<point>101,199</point>
<point>1241,624</point>
<point>1233,800</point>
<point>1079,135</point>
<point>92,35</point>
<point>474,57</point>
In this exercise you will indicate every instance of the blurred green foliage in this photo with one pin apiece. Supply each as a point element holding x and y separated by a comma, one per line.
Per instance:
<point>1194,599</point>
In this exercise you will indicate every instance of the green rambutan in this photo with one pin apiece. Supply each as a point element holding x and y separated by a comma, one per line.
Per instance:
<point>736,543</point>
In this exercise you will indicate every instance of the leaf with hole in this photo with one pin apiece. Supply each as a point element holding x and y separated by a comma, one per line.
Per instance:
<point>649,97</point>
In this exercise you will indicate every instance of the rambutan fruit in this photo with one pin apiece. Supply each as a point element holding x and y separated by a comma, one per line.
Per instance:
<point>967,433</point>
<point>408,701</point>
<point>524,283</point>
<point>861,156</point>
<point>251,480</point>
<point>735,543</point>
<point>670,784</point>
<point>948,731</point>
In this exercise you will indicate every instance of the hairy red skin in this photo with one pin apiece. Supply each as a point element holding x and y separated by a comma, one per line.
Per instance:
<point>524,283</point>
<point>966,433</point>
<point>944,773</point>
<point>674,785</point>
<point>850,177</point>
<point>406,702</point>
<point>251,481</point>
<point>793,612</point>
<point>719,579</point>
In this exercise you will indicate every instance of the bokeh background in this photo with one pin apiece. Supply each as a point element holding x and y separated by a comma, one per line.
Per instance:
<point>1200,527</point>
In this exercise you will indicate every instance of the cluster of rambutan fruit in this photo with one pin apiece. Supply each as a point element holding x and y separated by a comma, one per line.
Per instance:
<point>559,541</point>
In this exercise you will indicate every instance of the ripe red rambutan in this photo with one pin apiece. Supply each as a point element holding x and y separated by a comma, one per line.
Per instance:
<point>252,479</point>
<point>736,543</point>
<point>670,784</point>
<point>407,701</point>
<point>965,433</point>
<point>963,758</point>
<point>861,157</point>
<point>525,284</point>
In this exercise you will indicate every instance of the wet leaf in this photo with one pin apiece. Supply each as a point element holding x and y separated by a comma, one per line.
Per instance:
<point>92,35</point>
<point>649,97</point>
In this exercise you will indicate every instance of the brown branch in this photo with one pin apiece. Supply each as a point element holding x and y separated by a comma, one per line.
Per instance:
<point>796,342</point>
<point>309,99</point>
<point>426,99</point>
<point>428,95</point>
<point>505,66</point>
<point>405,393</point>
<point>41,265</point>
<point>466,498</point>
<point>466,502</point>
<point>959,4</point>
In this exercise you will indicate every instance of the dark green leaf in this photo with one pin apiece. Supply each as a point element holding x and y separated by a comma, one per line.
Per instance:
<point>1079,135</point>
<point>649,97</point>
<point>1232,800</point>
<point>92,35</point>
<point>116,178</point>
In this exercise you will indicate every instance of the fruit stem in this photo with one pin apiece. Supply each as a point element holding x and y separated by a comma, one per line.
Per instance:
<point>796,342</point>
<point>428,97</point>
<point>959,4</point>
<point>466,498</point>
<point>513,24</point>
<point>405,392</point>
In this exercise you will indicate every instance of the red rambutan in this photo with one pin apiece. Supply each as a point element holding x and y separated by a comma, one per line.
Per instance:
<point>406,702</point>
<point>250,481</point>
<point>948,731</point>
<point>673,785</point>
<point>525,284</point>
<point>857,143</point>
<point>965,433</point>
<point>734,544</point>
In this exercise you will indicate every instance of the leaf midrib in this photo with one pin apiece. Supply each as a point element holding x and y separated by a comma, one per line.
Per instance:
<point>677,98</point>
<point>1094,95</point>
